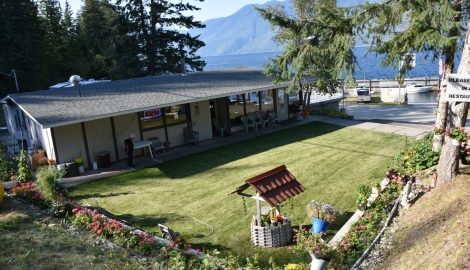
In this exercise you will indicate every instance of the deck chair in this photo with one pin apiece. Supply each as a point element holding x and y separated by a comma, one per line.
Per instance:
<point>190,136</point>
<point>218,127</point>
<point>273,118</point>
<point>157,145</point>
<point>264,120</point>
<point>247,124</point>
<point>252,118</point>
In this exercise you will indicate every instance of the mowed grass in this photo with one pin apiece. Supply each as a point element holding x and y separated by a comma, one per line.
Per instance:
<point>328,160</point>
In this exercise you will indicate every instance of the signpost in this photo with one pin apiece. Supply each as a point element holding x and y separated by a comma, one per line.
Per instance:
<point>410,59</point>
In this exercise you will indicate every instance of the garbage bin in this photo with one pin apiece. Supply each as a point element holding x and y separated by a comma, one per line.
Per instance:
<point>105,160</point>
<point>72,169</point>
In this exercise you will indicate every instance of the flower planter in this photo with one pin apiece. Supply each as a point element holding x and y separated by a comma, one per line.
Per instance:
<point>318,264</point>
<point>438,136</point>
<point>319,225</point>
<point>455,142</point>
<point>276,236</point>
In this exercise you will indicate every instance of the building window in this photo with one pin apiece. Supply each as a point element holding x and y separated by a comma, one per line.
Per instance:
<point>267,103</point>
<point>252,102</point>
<point>153,118</point>
<point>236,109</point>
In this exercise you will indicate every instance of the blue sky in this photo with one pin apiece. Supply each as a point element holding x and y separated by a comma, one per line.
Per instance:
<point>209,8</point>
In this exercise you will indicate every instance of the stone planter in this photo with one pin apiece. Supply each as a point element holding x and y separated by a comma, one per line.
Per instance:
<point>276,236</point>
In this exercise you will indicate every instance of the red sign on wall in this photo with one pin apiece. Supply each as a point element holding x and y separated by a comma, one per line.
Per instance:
<point>153,113</point>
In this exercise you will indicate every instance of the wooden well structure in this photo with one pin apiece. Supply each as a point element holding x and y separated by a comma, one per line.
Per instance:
<point>272,187</point>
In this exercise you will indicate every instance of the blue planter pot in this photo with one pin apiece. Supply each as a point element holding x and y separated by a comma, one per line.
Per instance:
<point>319,225</point>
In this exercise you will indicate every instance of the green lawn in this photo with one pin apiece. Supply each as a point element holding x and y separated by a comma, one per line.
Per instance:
<point>328,160</point>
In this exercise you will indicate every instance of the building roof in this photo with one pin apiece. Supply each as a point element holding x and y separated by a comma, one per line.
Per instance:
<point>274,186</point>
<point>64,106</point>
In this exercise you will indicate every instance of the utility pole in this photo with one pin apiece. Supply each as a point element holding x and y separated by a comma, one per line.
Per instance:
<point>12,74</point>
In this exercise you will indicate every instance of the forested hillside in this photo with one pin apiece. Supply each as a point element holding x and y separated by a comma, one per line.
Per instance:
<point>45,44</point>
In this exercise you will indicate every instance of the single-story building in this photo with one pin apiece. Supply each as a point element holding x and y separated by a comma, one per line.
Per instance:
<point>84,120</point>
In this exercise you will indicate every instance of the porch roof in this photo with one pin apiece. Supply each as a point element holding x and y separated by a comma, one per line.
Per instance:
<point>64,106</point>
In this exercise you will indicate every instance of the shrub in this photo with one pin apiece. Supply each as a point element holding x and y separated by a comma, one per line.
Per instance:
<point>24,172</point>
<point>6,166</point>
<point>50,185</point>
<point>416,157</point>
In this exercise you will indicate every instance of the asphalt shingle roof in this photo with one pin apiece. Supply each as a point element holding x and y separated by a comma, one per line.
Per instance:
<point>63,106</point>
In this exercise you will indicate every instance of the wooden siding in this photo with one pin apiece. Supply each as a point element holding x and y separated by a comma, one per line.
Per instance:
<point>100,138</point>
<point>124,126</point>
<point>70,144</point>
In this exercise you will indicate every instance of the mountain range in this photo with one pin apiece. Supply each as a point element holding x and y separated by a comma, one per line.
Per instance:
<point>244,31</point>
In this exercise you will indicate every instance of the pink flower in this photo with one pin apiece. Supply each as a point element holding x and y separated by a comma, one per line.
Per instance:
<point>75,210</point>
<point>99,232</point>
<point>173,244</point>
<point>198,251</point>
<point>188,245</point>
<point>141,243</point>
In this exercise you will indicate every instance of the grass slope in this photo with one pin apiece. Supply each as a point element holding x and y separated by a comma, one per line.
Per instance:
<point>328,160</point>
<point>435,232</point>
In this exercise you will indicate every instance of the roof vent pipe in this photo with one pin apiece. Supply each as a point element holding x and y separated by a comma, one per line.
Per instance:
<point>75,80</point>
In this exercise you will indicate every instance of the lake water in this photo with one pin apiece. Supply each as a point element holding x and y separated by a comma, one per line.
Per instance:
<point>370,65</point>
<point>370,68</point>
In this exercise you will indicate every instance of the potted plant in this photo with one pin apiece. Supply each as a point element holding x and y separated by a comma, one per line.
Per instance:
<point>457,135</point>
<point>376,188</point>
<point>438,130</point>
<point>323,215</point>
<point>313,243</point>
<point>363,193</point>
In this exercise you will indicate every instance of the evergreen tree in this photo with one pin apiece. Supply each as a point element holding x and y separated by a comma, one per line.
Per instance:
<point>397,28</point>
<point>73,55</point>
<point>319,39</point>
<point>20,33</point>
<point>150,24</point>
<point>95,32</point>
<point>54,45</point>
<point>433,27</point>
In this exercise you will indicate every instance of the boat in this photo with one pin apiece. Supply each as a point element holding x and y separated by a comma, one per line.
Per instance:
<point>414,87</point>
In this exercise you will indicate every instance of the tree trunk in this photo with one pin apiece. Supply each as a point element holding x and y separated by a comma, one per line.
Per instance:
<point>449,54</point>
<point>448,166</point>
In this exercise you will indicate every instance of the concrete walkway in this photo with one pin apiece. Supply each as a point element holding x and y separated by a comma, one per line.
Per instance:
<point>181,151</point>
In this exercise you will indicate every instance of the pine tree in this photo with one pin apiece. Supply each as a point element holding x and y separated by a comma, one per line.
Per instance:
<point>319,39</point>
<point>54,45</point>
<point>152,24</point>
<point>20,33</point>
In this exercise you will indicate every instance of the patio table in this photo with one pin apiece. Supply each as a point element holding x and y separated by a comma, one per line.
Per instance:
<point>143,144</point>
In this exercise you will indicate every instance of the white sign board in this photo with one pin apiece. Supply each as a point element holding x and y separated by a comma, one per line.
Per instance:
<point>411,56</point>
<point>458,88</point>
